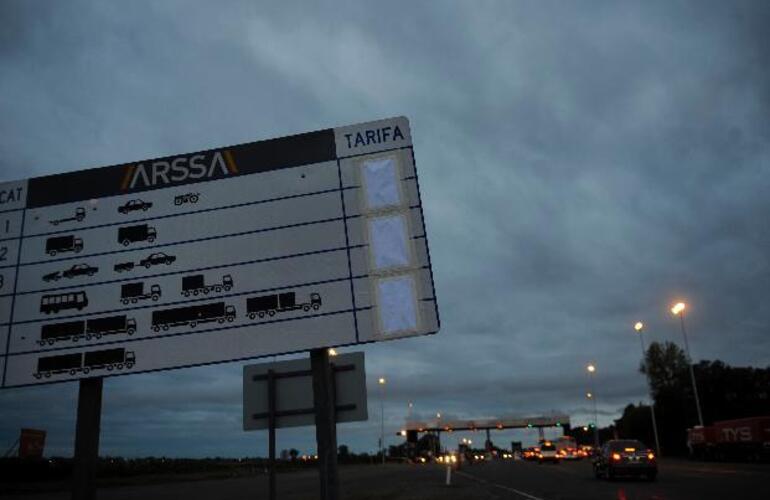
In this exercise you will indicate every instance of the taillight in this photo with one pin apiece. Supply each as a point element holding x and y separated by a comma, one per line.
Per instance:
<point>616,456</point>
<point>651,456</point>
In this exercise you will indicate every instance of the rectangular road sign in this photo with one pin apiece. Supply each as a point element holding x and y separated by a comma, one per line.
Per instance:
<point>294,392</point>
<point>270,247</point>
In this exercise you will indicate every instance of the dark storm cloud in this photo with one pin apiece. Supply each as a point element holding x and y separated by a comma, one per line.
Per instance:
<point>582,166</point>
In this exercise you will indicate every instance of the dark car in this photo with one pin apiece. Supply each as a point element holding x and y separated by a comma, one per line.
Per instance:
<point>625,457</point>
<point>80,270</point>
<point>123,266</point>
<point>54,276</point>
<point>134,205</point>
<point>157,258</point>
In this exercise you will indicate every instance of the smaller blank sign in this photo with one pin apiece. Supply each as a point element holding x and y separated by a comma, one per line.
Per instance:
<point>295,393</point>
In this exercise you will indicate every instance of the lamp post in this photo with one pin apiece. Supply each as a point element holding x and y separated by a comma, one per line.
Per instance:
<point>381,382</point>
<point>591,368</point>
<point>678,310</point>
<point>639,327</point>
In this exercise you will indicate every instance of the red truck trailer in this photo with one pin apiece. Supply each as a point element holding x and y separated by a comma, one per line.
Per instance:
<point>740,439</point>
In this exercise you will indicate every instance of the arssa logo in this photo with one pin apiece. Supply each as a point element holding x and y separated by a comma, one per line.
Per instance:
<point>162,172</point>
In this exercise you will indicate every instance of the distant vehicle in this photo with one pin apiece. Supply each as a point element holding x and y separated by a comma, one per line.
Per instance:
<point>108,359</point>
<point>123,266</point>
<point>134,205</point>
<point>57,302</point>
<point>134,292</point>
<point>80,214</point>
<point>186,198</point>
<point>133,234</point>
<point>740,439</point>
<point>61,244</point>
<point>281,302</point>
<point>195,284</point>
<point>54,276</point>
<point>80,270</point>
<point>93,328</point>
<point>157,258</point>
<point>192,315</point>
<point>625,457</point>
<point>567,448</point>
<point>548,453</point>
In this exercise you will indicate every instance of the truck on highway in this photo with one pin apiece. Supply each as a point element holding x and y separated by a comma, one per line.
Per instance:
<point>54,303</point>
<point>134,292</point>
<point>196,284</point>
<point>80,214</point>
<point>192,315</point>
<point>739,439</point>
<point>61,244</point>
<point>279,302</point>
<point>133,234</point>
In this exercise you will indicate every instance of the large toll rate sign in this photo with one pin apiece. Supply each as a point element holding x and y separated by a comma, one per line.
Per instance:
<point>271,247</point>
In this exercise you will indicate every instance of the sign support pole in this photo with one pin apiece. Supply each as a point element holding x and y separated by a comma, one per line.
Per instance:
<point>325,423</point>
<point>87,439</point>
<point>271,431</point>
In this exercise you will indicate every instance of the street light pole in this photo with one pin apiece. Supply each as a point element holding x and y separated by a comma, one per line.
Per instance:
<point>382,418</point>
<point>592,395</point>
<point>678,309</point>
<point>639,327</point>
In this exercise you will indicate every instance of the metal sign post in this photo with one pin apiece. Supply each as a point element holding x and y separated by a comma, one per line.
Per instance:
<point>325,423</point>
<point>87,439</point>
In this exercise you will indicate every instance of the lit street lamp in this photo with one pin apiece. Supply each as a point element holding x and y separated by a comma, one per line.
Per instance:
<point>639,327</point>
<point>678,310</point>
<point>381,382</point>
<point>592,396</point>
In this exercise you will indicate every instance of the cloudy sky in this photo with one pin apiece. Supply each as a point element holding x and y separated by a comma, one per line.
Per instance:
<point>582,166</point>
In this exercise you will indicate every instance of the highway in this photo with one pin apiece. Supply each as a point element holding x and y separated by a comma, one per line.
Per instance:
<point>678,480</point>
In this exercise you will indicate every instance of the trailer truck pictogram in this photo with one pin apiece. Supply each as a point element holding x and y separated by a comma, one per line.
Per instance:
<point>279,302</point>
<point>192,315</point>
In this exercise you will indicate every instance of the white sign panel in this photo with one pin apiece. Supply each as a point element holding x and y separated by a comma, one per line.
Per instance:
<point>294,405</point>
<point>271,247</point>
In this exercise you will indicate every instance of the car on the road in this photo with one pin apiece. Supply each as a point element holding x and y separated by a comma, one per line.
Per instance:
<point>548,453</point>
<point>530,453</point>
<point>80,270</point>
<point>134,205</point>
<point>156,259</point>
<point>625,457</point>
<point>54,276</point>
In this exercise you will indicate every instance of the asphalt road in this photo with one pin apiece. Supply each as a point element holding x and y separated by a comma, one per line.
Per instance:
<point>678,480</point>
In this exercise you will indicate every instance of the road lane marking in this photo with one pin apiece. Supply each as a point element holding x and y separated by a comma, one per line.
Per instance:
<point>502,487</point>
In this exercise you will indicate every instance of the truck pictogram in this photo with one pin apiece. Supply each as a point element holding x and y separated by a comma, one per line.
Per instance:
<point>93,328</point>
<point>186,198</point>
<point>80,214</point>
<point>72,364</point>
<point>192,315</point>
<point>61,244</point>
<point>196,284</point>
<point>279,302</point>
<point>54,303</point>
<point>134,234</point>
<point>134,292</point>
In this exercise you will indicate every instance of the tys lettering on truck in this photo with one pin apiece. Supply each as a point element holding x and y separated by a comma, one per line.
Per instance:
<point>280,302</point>
<point>192,315</point>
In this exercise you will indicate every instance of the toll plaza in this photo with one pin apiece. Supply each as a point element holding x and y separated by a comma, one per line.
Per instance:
<point>435,427</point>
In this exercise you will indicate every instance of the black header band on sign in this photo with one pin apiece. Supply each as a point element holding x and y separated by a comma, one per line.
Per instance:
<point>169,171</point>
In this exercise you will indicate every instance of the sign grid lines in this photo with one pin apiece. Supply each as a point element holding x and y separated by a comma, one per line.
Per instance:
<point>13,299</point>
